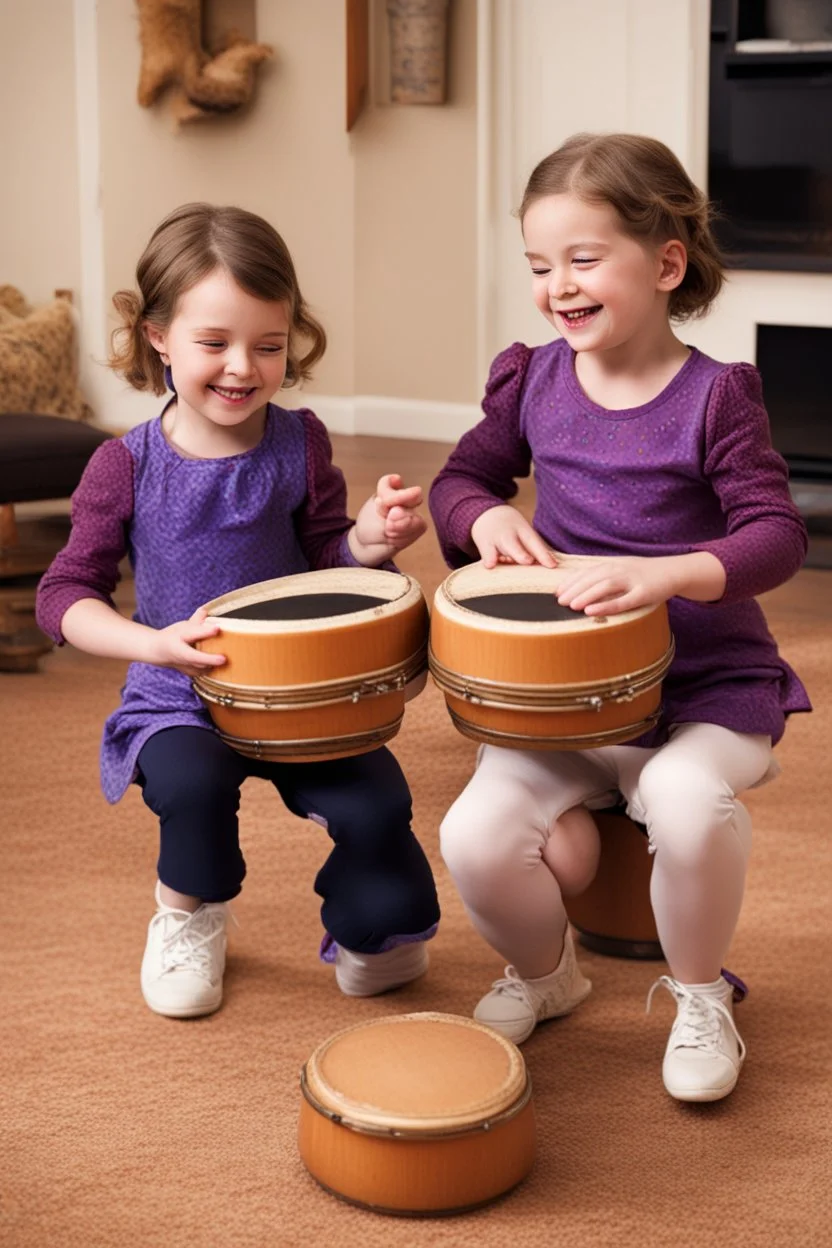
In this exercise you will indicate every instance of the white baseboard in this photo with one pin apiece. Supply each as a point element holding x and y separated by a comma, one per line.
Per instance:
<point>422,419</point>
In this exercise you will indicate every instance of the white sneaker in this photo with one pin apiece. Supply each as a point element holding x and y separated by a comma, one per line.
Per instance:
<point>184,960</point>
<point>368,974</point>
<point>515,1006</point>
<point>705,1051</point>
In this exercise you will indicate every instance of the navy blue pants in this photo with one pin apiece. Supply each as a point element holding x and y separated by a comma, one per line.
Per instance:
<point>375,884</point>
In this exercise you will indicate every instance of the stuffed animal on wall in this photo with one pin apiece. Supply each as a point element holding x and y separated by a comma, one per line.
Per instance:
<point>204,84</point>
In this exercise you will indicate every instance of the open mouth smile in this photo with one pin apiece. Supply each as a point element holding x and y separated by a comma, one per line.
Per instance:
<point>233,395</point>
<point>579,317</point>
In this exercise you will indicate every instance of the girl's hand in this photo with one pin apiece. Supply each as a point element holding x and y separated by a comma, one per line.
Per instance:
<point>388,522</point>
<point>611,586</point>
<point>173,646</point>
<point>502,535</point>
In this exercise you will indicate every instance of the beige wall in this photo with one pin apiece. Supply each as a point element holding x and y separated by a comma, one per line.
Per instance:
<point>287,158</point>
<point>415,241</point>
<point>39,227</point>
<point>381,222</point>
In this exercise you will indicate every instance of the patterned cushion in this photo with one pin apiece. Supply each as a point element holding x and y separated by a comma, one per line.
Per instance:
<point>38,358</point>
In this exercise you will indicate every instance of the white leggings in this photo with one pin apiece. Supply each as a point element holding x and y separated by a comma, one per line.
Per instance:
<point>519,836</point>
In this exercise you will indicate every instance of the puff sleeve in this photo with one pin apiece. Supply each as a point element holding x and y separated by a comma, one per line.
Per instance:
<point>481,471</point>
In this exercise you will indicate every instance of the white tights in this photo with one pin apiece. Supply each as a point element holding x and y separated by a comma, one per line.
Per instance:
<point>520,836</point>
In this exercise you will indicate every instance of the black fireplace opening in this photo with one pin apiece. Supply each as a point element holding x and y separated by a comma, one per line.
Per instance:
<point>794,362</point>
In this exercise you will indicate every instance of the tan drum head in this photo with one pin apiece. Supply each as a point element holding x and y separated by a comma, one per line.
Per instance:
<point>417,1074</point>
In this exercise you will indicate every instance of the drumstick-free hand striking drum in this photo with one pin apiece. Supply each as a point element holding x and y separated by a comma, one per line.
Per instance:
<point>319,665</point>
<point>417,1114</point>
<point>517,669</point>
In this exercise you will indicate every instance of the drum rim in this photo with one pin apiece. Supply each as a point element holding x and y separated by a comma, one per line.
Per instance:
<point>409,593</point>
<point>552,697</point>
<point>514,1094</point>
<point>417,1133</point>
<point>454,609</point>
<point>572,741</point>
<point>309,695</point>
<point>319,746</point>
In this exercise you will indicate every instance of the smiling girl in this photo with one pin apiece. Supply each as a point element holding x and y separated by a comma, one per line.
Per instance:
<point>658,459</point>
<point>226,489</point>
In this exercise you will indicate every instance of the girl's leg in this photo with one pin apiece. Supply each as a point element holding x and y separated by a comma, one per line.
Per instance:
<point>379,897</point>
<point>191,780</point>
<point>515,841</point>
<point>701,835</point>
<point>686,794</point>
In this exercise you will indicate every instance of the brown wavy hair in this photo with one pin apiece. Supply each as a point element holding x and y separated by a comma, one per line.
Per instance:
<point>653,196</point>
<point>190,243</point>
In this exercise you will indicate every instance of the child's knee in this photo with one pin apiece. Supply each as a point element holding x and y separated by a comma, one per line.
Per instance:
<point>480,851</point>
<point>689,814</point>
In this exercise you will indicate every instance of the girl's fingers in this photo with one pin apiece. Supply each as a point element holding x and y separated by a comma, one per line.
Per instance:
<point>488,554</point>
<point>516,551</point>
<point>537,548</point>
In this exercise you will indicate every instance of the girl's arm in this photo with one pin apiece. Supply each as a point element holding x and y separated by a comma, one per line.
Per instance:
<point>386,523</point>
<point>87,567</point>
<point>480,473</point>
<point>766,539</point>
<point>74,601</point>
<point>765,542</point>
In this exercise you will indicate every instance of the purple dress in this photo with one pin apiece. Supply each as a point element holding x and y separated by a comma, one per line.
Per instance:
<point>692,470</point>
<point>193,529</point>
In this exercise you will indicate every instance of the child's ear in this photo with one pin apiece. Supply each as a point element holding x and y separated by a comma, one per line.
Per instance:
<point>673,264</point>
<point>156,339</point>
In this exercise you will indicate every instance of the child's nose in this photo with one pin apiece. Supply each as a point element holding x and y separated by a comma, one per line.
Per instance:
<point>239,363</point>
<point>562,285</point>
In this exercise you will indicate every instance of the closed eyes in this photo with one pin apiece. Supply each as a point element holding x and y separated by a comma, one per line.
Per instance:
<point>265,349</point>
<point>582,260</point>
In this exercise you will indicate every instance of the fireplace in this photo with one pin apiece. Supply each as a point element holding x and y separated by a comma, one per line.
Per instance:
<point>794,363</point>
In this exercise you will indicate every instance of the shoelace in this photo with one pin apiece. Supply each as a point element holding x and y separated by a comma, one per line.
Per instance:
<point>513,985</point>
<point>699,1027</point>
<point>187,947</point>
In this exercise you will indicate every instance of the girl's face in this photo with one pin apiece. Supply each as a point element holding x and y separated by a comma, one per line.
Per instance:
<point>226,350</point>
<point>599,287</point>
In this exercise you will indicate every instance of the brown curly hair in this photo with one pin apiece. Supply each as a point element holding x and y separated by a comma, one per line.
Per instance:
<point>653,196</point>
<point>190,243</point>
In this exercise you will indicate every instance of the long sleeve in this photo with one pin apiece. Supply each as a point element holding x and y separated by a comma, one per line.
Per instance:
<point>481,471</point>
<point>322,523</point>
<point>87,567</point>
<point>766,538</point>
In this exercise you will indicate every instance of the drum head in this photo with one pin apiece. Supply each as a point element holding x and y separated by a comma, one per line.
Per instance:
<point>332,598</point>
<point>416,1073</point>
<point>522,599</point>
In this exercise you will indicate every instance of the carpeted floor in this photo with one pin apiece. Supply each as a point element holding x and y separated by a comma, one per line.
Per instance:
<point>123,1128</point>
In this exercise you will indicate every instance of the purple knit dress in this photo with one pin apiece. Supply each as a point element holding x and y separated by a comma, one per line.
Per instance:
<point>193,529</point>
<point>692,470</point>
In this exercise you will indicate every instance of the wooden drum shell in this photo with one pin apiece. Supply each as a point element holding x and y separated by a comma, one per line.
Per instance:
<point>364,1138</point>
<point>498,675</point>
<point>303,690</point>
<point>613,915</point>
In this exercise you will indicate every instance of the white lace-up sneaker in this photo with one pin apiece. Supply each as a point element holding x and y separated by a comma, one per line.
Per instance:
<point>184,960</point>
<point>515,1006</point>
<point>368,974</point>
<point>705,1051</point>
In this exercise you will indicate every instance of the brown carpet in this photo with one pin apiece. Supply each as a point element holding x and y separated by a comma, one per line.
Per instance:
<point>123,1128</point>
